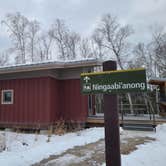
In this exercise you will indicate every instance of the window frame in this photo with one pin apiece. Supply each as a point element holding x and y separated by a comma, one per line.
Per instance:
<point>2,96</point>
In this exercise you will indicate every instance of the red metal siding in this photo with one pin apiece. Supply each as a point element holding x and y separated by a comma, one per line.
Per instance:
<point>42,101</point>
<point>31,101</point>
<point>66,100</point>
<point>54,100</point>
<point>74,106</point>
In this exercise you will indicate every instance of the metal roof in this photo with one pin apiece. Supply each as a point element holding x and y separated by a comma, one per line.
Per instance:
<point>50,65</point>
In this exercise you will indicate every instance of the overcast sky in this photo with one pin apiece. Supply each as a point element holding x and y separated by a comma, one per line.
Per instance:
<point>83,15</point>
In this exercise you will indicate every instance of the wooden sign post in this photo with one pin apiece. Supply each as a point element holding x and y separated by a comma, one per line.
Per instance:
<point>111,120</point>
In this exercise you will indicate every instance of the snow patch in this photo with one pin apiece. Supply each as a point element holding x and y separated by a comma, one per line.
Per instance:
<point>149,154</point>
<point>19,154</point>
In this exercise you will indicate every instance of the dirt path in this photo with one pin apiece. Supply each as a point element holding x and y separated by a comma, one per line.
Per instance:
<point>91,154</point>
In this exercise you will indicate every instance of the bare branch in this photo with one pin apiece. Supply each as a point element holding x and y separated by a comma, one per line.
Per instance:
<point>114,36</point>
<point>17,28</point>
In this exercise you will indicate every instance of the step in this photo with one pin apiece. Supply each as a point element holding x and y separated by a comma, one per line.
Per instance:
<point>141,127</point>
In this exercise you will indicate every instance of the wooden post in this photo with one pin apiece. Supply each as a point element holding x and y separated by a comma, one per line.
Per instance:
<point>111,120</point>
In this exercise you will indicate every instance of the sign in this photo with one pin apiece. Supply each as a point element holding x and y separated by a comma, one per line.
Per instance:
<point>119,81</point>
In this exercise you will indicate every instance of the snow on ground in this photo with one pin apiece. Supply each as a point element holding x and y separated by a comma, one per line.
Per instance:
<point>23,150</point>
<point>27,149</point>
<point>149,154</point>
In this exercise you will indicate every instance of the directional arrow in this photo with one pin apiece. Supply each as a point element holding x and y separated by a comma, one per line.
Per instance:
<point>86,79</point>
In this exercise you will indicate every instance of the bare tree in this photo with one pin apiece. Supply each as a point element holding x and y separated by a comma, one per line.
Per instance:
<point>45,42</point>
<point>66,40</point>
<point>86,48</point>
<point>17,26</point>
<point>58,32</point>
<point>159,50</point>
<point>72,42</point>
<point>114,36</point>
<point>4,58</point>
<point>152,55</point>
<point>139,58</point>
<point>143,58</point>
<point>97,37</point>
<point>32,33</point>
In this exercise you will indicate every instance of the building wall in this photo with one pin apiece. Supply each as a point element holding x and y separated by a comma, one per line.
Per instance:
<point>54,99</point>
<point>42,101</point>
<point>31,102</point>
<point>74,106</point>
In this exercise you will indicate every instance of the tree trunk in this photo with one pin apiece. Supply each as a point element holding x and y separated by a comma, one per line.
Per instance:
<point>131,104</point>
<point>157,101</point>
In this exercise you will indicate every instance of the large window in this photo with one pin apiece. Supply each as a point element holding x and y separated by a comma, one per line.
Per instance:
<point>7,97</point>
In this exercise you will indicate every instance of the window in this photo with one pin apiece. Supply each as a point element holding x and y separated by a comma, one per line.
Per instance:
<point>7,97</point>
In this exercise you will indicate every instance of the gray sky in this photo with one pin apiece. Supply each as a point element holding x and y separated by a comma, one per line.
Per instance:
<point>83,15</point>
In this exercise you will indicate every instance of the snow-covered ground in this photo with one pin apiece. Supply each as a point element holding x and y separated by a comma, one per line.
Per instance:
<point>27,149</point>
<point>150,154</point>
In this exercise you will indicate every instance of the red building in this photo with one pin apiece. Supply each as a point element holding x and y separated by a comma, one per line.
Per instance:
<point>38,95</point>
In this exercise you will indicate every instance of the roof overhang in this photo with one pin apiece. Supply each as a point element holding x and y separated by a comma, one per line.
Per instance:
<point>50,65</point>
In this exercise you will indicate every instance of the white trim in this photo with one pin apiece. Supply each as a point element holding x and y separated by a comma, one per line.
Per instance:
<point>2,96</point>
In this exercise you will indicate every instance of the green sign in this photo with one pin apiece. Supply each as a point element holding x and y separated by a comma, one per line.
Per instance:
<point>118,81</point>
